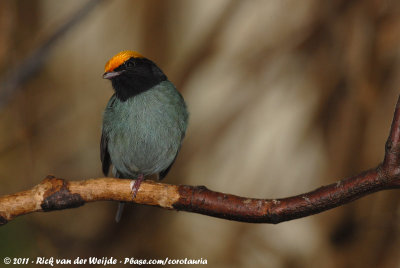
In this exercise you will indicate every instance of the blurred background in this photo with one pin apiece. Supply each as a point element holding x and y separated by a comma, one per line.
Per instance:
<point>284,96</point>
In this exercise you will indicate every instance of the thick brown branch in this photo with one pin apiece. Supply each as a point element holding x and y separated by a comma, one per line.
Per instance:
<point>54,193</point>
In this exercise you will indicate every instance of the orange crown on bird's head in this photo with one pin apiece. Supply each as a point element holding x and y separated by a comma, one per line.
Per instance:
<point>120,58</point>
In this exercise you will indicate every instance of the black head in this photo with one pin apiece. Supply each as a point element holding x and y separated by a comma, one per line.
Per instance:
<point>134,76</point>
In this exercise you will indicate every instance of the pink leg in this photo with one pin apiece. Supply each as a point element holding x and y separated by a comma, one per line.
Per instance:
<point>136,184</point>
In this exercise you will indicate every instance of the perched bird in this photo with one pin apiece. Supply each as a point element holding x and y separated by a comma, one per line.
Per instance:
<point>144,122</point>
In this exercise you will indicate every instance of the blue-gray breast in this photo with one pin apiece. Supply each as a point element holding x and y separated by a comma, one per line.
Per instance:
<point>144,122</point>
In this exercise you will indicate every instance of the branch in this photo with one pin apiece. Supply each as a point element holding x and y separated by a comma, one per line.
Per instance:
<point>55,193</point>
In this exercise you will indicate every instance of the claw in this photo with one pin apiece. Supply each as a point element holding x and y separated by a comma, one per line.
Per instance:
<point>135,184</point>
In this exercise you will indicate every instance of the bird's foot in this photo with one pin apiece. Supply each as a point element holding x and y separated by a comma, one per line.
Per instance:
<point>135,184</point>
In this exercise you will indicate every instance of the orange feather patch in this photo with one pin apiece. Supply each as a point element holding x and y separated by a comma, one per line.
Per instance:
<point>120,58</point>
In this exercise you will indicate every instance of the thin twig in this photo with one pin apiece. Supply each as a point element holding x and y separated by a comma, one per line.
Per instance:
<point>15,78</point>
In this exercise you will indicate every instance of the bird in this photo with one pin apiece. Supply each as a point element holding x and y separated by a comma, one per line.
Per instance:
<point>144,122</point>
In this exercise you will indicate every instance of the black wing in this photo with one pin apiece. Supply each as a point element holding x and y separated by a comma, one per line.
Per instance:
<point>104,155</point>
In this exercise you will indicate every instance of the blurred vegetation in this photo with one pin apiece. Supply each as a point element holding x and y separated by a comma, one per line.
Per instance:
<point>284,96</point>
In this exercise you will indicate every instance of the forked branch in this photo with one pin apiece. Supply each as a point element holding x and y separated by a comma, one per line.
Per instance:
<point>55,193</point>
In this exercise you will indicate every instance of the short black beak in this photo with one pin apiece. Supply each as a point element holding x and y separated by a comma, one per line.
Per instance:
<point>111,75</point>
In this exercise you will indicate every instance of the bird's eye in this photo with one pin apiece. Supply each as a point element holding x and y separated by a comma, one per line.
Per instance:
<point>129,64</point>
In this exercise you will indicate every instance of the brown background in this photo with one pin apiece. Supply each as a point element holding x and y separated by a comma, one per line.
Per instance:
<point>284,96</point>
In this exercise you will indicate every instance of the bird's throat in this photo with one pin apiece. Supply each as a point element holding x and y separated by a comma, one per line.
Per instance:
<point>126,87</point>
